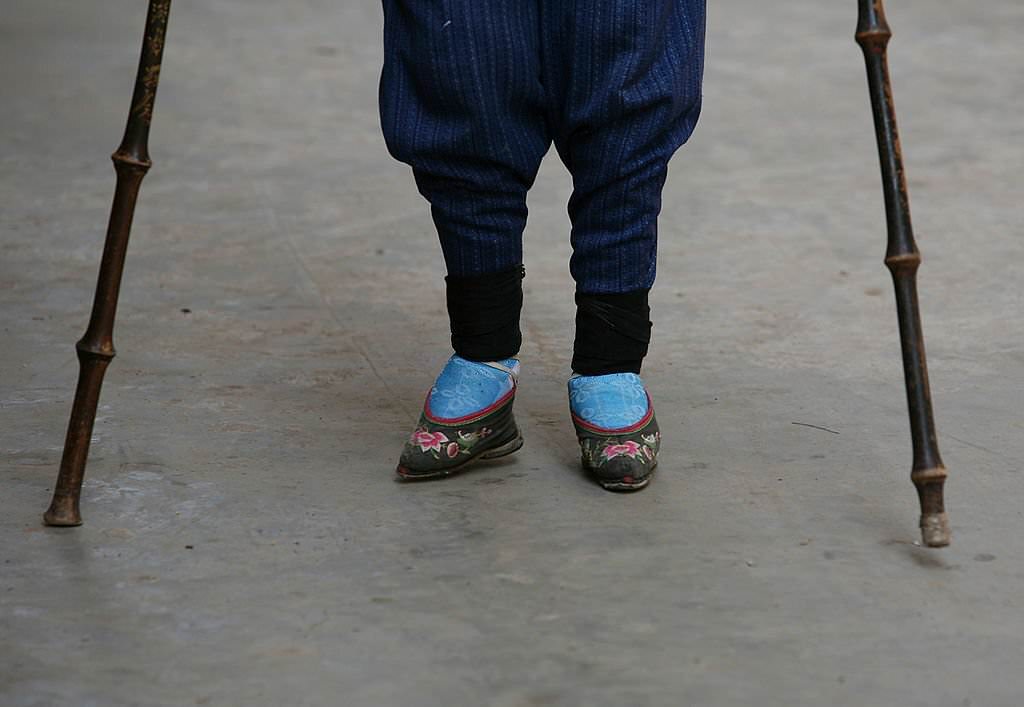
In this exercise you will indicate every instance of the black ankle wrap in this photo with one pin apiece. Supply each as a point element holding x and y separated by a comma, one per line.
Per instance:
<point>612,333</point>
<point>484,314</point>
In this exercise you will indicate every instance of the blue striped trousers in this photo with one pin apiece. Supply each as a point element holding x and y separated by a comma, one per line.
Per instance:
<point>474,92</point>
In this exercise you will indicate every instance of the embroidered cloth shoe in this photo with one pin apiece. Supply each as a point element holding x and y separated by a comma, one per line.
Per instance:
<point>616,428</point>
<point>467,416</point>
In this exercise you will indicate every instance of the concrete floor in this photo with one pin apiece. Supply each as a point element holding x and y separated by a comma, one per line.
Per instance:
<point>282,317</point>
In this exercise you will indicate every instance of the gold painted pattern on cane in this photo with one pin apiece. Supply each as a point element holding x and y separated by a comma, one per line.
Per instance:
<point>144,108</point>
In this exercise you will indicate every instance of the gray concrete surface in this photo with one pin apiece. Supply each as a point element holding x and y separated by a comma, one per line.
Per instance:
<point>245,543</point>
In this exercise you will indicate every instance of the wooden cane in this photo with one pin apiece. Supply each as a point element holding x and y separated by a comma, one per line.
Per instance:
<point>902,258</point>
<point>96,347</point>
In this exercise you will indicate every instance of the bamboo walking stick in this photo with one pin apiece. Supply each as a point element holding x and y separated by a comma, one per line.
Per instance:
<point>902,258</point>
<point>96,347</point>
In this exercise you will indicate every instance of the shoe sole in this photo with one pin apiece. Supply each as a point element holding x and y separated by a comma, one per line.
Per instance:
<point>503,450</point>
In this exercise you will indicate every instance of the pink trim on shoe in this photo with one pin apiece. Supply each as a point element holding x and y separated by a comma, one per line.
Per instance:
<point>620,430</point>
<point>470,417</point>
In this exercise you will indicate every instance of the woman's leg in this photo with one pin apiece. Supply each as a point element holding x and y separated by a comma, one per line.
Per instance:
<point>629,73</point>
<point>462,103</point>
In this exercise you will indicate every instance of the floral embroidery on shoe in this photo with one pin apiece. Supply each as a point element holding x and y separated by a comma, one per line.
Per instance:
<point>438,443</point>
<point>437,448</point>
<point>470,437</point>
<point>623,461</point>
<point>428,441</point>
<point>629,448</point>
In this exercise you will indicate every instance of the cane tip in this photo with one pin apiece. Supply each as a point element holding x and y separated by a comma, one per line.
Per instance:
<point>935,530</point>
<point>60,522</point>
<point>62,515</point>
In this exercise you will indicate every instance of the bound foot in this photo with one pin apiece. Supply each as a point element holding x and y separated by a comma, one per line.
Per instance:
<point>467,416</point>
<point>616,429</point>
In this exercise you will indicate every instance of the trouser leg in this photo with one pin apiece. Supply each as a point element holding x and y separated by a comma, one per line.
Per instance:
<point>628,75</point>
<point>462,103</point>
